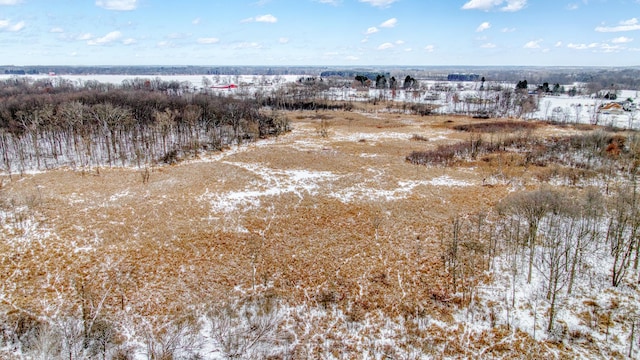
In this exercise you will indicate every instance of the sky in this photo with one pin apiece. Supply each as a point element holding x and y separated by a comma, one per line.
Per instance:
<point>321,32</point>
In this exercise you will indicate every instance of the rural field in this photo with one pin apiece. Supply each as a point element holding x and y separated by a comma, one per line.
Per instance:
<point>319,179</point>
<point>328,241</point>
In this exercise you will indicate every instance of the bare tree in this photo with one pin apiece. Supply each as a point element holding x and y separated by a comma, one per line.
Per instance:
<point>167,337</point>
<point>248,328</point>
<point>622,231</point>
<point>530,207</point>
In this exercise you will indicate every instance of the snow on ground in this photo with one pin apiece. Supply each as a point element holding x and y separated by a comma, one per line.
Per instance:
<point>561,108</point>
<point>584,109</point>
<point>372,137</point>
<point>509,300</point>
<point>269,182</point>
<point>194,81</point>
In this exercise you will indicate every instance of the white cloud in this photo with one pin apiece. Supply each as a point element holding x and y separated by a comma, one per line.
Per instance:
<point>514,5</point>
<point>196,21</point>
<point>10,2</point>
<point>385,46</point>
<point>330,2</point>
<point>484,26</point>
<point>57,30</point>
<point>129,41</point>
<point>268,18</point>
<point>621,40</point>
<point>352,58</point>
<point>632,21</point>
<point>508,30</point>
<point>597,47</point>
<point>429,48</point>
<point>558,44</point>
<point>399,42</point>
<point>606,48</point>
<point>486,5</point>
<point>533,44</point>
<point>488,46</point>
<point>247,45</point>
<point>389,23</point>
<point>118,5</point>
<point>379,3</point>
<point>6,25</point>
<point>109,38</point>
<point>16,27</point>
<point>582,46</point>
<point>408,50</point>
<point>208,40</point>
<point>625,25</point>
<point>573,6</point>
<point>371,30</point>
<point>283,40</point>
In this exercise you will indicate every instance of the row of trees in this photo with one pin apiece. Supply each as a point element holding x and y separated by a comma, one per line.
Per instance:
<point>549,239</point>
<point>88,127</point>
<point>553,236</point>
<point>245,328</point>
<point>381,82</point>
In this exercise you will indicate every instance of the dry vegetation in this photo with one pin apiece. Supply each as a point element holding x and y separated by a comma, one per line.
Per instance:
<point>328,218</point>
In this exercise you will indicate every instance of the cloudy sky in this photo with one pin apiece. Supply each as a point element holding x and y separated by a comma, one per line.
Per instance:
<point>320,32</point>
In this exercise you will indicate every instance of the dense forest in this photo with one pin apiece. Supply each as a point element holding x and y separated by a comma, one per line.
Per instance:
<point>133,124</point>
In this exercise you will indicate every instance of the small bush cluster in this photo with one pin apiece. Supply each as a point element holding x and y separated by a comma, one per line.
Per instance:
<point>416,137</point>
<point>497,126</point>
<point>591,151</point>
<point>445,155</point>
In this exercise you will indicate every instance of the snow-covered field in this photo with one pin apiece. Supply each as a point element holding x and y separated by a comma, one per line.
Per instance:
<point>194,81</point>
<point>559,108</point>
<point>323,246</point>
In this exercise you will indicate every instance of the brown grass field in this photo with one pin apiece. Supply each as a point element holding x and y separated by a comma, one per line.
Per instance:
<point>329,214</point>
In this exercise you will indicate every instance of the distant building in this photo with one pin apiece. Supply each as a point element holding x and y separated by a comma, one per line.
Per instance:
<point>228,87</point>
<point>463,77</point>
<point>611,108</point>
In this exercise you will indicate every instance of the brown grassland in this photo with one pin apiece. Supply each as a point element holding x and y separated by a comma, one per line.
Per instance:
<point>330,214</point>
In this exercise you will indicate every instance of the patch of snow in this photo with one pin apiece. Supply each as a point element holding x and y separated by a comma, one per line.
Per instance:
<point>269,182</point>
<point>359,136</point>
<point>118,196</point>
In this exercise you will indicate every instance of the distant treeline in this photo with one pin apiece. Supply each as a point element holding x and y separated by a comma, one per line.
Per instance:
<point>463,77</point>
<point>161,70</point>
<point>371,75</point>
<point>45,127</point>
<point>20,72</point>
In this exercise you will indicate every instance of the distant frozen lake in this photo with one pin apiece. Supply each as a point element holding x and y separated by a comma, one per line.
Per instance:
<point>194,80</point>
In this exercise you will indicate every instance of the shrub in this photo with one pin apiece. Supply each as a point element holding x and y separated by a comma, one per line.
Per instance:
<point>497,126</point>
<point>416,137</point>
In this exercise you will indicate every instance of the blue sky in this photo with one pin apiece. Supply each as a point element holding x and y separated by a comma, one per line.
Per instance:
<point>320,32</point>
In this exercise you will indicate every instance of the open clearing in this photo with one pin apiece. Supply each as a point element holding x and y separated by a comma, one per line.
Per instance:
<point>330,215</point>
